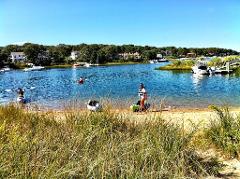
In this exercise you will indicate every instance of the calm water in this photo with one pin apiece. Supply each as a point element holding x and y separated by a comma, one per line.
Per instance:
<point>57,87</point>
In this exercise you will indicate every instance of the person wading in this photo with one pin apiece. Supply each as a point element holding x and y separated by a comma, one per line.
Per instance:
<point>143,96</point>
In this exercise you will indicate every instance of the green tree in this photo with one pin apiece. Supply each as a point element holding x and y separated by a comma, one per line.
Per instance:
<point>149,55</point>
<point>3,58</point>
<point>32,52</point>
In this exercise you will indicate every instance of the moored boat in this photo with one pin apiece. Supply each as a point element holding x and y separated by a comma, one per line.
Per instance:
<point>5,69</point>
<point>34,68</point>
<point>200,69</point>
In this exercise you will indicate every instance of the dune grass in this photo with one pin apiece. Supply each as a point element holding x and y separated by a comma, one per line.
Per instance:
<point>224,132</point>
<point>94,145</point>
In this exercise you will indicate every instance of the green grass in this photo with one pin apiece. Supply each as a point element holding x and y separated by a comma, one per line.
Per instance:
<point>59,66</point>
<point>185,65</point>
<point>224,132</point>
<point>94,145</point>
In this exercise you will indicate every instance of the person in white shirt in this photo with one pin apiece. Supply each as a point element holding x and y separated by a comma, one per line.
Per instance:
<point>143,96</point>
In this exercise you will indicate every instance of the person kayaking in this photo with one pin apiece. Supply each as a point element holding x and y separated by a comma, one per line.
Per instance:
<point>81,80</point>
<point>20,93</point>
<point>143,96</point>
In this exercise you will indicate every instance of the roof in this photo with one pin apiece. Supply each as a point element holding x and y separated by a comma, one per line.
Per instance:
<point>17,53</point>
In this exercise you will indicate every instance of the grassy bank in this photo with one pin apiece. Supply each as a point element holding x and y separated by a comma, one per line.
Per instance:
<point>95,145</point>
<point>59,66</point>
<point>185,65</point>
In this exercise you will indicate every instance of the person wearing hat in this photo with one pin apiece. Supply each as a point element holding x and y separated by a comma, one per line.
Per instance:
<point>143,96</point>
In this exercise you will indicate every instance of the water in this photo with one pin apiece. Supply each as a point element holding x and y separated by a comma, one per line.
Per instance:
<point>55,88</point>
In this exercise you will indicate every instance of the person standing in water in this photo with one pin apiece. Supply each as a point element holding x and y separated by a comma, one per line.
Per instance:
<point>143,96</point>
<point>20,93</point>
<point>81,80</point>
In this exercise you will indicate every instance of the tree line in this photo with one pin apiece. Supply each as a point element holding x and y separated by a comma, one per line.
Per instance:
<point>100,53</point>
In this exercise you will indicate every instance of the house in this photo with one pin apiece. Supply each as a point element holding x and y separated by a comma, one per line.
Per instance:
<point>125,56</point>
<point>17,56</point>
<point>191,55</point>
<point>159,56</point>
<point>74,55</point>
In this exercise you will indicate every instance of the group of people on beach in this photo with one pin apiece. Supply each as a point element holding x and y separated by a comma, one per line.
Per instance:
<point>142,93</point>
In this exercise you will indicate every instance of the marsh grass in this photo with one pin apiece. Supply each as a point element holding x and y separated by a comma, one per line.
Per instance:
<point>178,65</point>
<point>224,132</point>
<point>94,145</point>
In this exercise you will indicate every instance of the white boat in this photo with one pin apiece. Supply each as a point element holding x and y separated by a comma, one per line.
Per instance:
<point>5,69</point>
<point>200,69</point>
<point>87,65</point>
<point>34,68</point>
<point>81,64</point>
<point>163,60</point>
<point>153,61</point>
<point>158,61</point>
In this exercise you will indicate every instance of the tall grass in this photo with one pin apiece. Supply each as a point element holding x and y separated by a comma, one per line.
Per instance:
<point>93,145</point>
<point>224,132</point>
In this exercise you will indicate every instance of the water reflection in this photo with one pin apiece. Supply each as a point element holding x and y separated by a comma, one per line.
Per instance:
<point>196,79</point>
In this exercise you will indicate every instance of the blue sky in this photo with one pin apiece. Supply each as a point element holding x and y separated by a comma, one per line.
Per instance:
<point>181,23</point>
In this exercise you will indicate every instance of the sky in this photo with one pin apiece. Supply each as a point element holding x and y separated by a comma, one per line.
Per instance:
<point>180,23</point>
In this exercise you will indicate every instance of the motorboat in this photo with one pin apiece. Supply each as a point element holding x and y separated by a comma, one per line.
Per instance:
<point>77,65</point>
<point>81,64</point>
<point>34,68</point>
<point>152,61</point>
<point>163,60</point>
<point>5,69</point>
<point>158,61</point>
<point>201,69</point>
<point>87,65</point>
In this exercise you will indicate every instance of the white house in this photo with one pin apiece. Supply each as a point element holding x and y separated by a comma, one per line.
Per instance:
<point>159,55</point>
<point>17,56</point>
<point>134,55</point>
<point>74,55</point>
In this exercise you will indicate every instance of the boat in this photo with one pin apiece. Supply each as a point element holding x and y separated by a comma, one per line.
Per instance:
<point>153,61</point>
<point>34,68</point>
<point>158,61</point>
<point>201,69</point>
<point>81,64</point>
<point>94,106</point>
<point>77,65</point>
<point>87,65</point>
<point>163,60</point>
<point>5,69</point>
